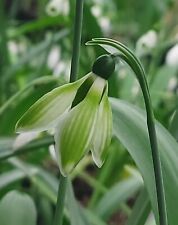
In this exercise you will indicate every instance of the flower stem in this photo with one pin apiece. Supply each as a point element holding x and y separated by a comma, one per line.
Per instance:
<point>58,218</point>
<point>136,66</point>
<point>76,40</point>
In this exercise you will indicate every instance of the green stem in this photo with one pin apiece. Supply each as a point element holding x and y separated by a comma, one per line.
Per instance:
<point>4,62</point>
<point>58,218</point>
<point>76,40</point>
<point>134,63</point>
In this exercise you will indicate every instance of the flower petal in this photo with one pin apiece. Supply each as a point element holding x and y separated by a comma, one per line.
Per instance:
<point>103,131</point>
<point>46,111</point>
<point>74,134</point>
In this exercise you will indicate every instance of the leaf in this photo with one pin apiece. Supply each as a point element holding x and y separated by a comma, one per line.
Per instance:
<point>118,194</point>
<point>11,176</point>
<point>37,25</point>
<point>73,207</point>
<point>47,185</point>
<point>17,209</point>
<point>140,210</point>
<point>131,129</point>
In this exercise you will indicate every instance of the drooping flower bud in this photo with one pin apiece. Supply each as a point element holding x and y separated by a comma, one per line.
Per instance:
<point>104,66</point>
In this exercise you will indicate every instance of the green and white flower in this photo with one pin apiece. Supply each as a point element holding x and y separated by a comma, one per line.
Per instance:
<point>81,115</point>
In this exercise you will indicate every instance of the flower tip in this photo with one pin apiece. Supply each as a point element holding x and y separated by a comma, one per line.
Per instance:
<point>98,161</point>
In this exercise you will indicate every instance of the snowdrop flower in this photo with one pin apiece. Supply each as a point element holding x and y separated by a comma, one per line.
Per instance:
<point>54,57</point>
<point>172,84</point>
<point>57,7</point>
<point>135,88</point>
<point>103,21</point>
<point>81,114</point>
<point>13,47</point>
<point>62,67</point>
<point>172,56</point>
<point>146,42</point>
<point>16,49</point>
<point>105,24</point>
<point>96,10</point>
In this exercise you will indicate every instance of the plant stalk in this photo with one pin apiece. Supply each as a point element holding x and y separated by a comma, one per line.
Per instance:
<point>58,218</point>
<point>136,66</point>
<point>76,39</point>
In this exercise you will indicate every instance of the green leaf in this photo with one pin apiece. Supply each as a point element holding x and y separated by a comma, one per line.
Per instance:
<point>131,129</point>
<point>75,212</point>
<point>11,176</point>
<point>141,209</point>
<point>46,111</point>
<point>119,193</point>
<point>47,185</point>
<point>17,209</point>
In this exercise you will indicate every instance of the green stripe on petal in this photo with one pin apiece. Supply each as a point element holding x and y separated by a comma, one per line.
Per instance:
<point>103,131</point>
<point>74,134</point>
<point>45,113</point>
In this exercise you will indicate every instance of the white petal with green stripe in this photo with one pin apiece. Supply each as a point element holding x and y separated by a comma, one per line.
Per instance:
<point>45,113</point>
<point>74,135</point>
<point>103,131</point>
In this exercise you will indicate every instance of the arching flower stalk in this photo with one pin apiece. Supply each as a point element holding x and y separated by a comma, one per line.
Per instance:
<point>81,115</point>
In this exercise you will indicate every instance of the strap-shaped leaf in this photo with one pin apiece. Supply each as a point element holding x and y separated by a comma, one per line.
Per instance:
<point>103,131</point>
<point>45,113</point>
<point>17,209</point>
<point>74,134</point>
<point>129,126</point>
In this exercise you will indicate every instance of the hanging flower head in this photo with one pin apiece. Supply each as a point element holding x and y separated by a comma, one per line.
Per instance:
<point>81,115</point>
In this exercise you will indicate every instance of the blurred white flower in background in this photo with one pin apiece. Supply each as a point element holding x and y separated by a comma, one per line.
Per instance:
<point>53,57</point>
<point>56,64</point>
<point>16,49</point>
<point>63,67</point>
<point>13,47</point>
<point>172,84</point>
<point>135,88</point>
<point>150,220</point>
<point>146,42</point>
<point>103,21</point>
<point>172,56</point>
<point>57,7</point>
<point>96,10</point>
<point>105,24</point>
